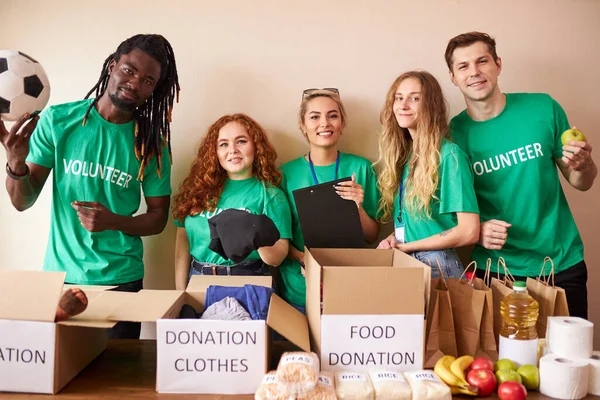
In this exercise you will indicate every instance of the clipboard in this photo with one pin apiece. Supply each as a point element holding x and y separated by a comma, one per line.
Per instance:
<point>327,220</point>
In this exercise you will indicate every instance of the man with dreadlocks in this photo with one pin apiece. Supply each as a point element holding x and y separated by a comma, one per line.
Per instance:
<point>104,152</point>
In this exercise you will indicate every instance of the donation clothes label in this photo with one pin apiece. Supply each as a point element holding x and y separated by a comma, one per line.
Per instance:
<point>204,356</point>
<point>27,356</point>
<point>367,342</point>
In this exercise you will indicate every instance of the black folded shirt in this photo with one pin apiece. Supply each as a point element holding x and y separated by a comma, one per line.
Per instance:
<point>234,234</point>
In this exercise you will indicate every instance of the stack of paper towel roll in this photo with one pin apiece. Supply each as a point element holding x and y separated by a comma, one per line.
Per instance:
<point>570,369</point>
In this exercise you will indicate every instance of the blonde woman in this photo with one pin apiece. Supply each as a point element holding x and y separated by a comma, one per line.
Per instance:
<point>322,119</point>
<point>425,180</point>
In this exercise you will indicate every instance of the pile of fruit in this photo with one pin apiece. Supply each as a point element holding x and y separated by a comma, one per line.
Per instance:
<point>481,377</point>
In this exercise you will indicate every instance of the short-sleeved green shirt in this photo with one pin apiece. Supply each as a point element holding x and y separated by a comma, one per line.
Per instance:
<point>297,175</point>
<point>95,162</point>
<point>250,195</point>
<point>517,181</point>
<point>454,194</point>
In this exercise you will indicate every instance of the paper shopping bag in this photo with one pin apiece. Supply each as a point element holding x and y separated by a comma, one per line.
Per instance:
<point>552,299</point>
<point>472,308</point>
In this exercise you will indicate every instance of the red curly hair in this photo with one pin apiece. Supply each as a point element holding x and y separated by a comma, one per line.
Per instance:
<point>202,188</point>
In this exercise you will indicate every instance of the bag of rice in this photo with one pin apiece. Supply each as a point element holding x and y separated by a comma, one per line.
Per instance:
<point>325,389</point>
<point>268,389</point>
<point>390,385</point>
<point>297,373</point>
<point>353,386</point>
<point>426,385</point>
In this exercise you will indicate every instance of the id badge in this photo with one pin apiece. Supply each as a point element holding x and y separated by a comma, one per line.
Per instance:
<point>399,231</point>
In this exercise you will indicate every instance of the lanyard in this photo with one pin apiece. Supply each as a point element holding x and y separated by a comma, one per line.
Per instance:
<point>312,168</point>
<point>400,193</point>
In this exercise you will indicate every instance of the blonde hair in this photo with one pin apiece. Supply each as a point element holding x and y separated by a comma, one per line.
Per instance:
<point>396,146</point>
<point>320,93</point>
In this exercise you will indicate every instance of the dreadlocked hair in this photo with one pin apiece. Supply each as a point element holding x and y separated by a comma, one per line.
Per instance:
<point>204,184</point>
<point>153,118</point>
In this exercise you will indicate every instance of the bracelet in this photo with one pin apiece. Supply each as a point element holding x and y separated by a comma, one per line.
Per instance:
<point>12,175</point>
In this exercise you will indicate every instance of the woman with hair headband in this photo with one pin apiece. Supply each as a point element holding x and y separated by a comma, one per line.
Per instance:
<point>234,168</point>
<point>322,119</point>
<point>425,180</point>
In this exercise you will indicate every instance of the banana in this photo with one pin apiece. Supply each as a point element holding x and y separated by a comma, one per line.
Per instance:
<point>462,390</point>
<point>460,365</point>
<point>442,369</point>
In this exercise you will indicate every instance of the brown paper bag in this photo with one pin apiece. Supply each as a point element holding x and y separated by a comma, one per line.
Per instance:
<point>500,289</point>
<point>440,336</point>
<point>552,299</point>
<point>472,308</point>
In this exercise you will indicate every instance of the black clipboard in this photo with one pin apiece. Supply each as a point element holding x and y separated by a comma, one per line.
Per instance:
<point>327,220</point>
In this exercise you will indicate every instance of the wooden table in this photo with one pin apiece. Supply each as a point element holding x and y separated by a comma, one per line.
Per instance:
<point>127,369</point>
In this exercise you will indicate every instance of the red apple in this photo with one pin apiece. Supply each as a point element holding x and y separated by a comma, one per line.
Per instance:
<point>512,390</point>
<point>484,379</point>
<point>482,363</point>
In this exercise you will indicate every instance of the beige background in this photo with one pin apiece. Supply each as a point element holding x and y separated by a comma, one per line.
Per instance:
<point>257,56</point>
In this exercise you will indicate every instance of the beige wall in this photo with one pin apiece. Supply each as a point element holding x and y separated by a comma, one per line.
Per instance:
<point>257,56</point>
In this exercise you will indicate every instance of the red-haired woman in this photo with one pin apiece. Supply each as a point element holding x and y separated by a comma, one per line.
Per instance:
<point>234,168</point>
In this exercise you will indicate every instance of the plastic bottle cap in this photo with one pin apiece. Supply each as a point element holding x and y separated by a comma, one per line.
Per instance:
<point>470,275</point>
<point>519,286</point>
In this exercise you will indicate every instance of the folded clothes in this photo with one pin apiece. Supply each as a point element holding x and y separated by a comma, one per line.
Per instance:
<point>228,309</point>
<point>255,299</point>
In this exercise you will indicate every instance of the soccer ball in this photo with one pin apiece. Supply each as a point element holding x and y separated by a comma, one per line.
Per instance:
<point>24,86</point>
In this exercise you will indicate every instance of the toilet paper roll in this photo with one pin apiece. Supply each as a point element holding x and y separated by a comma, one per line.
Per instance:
<point>570,337</point>
<point>594,367</point>
<point>563,378</point>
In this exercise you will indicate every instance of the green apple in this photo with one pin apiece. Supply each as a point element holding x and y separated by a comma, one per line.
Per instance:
<point>572,134</point>
<point>505,375</point>
<point>505,363</point>
<point>531,376</point>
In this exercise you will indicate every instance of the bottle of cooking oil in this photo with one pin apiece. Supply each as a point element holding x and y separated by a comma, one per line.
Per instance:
<point>518,337</point>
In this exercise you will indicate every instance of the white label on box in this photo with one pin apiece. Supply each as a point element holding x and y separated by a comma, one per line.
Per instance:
<point>387,376</point>
<point>367,342</point>
<point>351,377</point>
<point>27,356</point>
<point>204,356</point>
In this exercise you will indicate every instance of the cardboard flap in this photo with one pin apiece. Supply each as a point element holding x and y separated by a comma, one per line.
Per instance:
<point>373,290</point>
<point>313,298</point>
<point>100,306</point>
<point>352,257</point>
<point>288,322</point>
<point>147,306</point>
<point>30,295</point>
<point>200,283</point>
<point>401,259</point>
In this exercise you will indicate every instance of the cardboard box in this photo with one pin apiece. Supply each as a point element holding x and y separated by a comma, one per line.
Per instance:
<point>221,357</point>
<point>38,355</point>
<point>373,313</point>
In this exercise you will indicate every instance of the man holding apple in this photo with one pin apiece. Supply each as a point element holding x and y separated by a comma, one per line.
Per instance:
<point>514,143</point>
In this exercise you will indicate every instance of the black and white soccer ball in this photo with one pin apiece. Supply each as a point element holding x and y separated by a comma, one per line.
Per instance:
<point>24,86</point>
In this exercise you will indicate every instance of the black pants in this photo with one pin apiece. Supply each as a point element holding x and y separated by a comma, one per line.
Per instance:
<point>573,280</point>
<point>127,330</point>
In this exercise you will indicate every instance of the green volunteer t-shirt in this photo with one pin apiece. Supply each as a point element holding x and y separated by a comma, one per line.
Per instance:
<point>250,195</point>
<point>297,175</point>
<point>454,194</point>
<point>95,162</point>
<point>517,181</point>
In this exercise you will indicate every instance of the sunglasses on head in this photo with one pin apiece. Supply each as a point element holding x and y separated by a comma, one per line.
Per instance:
<point>308,92</point>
